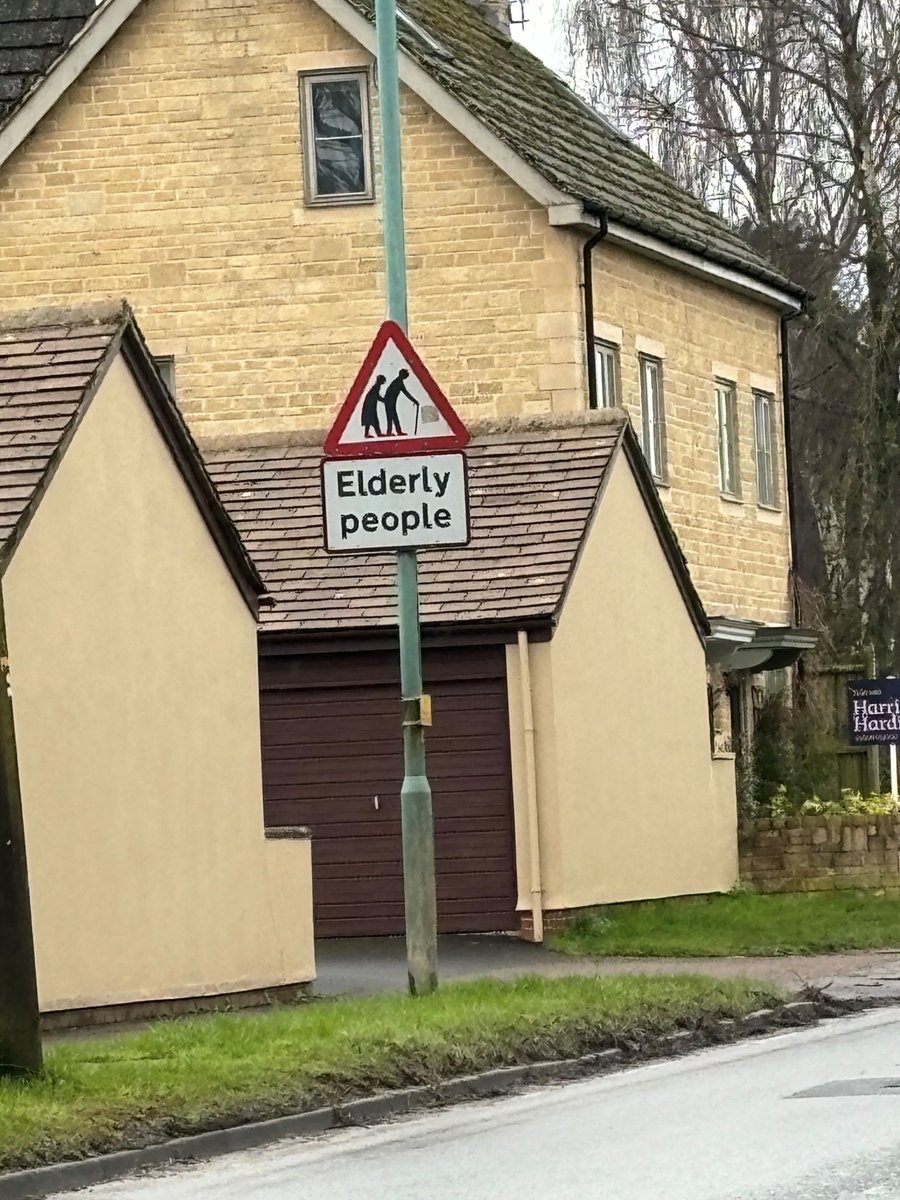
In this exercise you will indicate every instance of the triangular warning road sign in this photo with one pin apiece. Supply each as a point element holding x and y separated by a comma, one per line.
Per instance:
<point>394,406</point>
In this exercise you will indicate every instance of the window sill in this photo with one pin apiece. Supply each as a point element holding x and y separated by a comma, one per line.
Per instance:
<point>729,499</point>
<point>723,756</point>
<point>769,508</point>
<point>661,483</point>
<point>335,202</point>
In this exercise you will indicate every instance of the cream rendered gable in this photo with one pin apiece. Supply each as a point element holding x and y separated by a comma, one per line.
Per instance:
<point>631,803</point>
<point>134,677</point>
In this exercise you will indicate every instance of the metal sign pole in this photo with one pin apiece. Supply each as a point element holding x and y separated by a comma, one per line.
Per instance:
<point>415,795</point>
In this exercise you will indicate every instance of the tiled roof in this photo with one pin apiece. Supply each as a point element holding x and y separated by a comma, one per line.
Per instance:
<point>51,364</point>
<point>532,493</point>
<point>45,373</point>
<point>505,87</point>
<point>527,106</point>
<point>33,35</point>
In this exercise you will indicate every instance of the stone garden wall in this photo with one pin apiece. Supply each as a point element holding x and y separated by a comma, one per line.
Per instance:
<point>817,853</point>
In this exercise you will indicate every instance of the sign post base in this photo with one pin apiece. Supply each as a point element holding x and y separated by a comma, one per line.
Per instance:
<point>417,820</point>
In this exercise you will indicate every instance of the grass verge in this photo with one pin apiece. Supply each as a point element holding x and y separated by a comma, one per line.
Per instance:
<point>203,1073</point>
<point>738,923</point>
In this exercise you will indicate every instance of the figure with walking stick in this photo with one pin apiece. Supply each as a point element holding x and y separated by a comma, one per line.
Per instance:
<point>392,393</point>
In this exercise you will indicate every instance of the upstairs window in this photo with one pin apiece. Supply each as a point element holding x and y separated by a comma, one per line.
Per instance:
<point>606,357</point>
<point>165,365</point>
<point>653,416</point>
<point>727,426</point>
<point>764,427</point>
<point>337,146</point>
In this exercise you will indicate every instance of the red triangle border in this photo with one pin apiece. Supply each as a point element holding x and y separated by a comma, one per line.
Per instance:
<point>390,331</point>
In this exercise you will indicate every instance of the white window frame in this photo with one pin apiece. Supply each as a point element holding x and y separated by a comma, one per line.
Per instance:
<point>607,374</point>
<point>311,193</point>
<point>765,446</point>
<point>653,416</point>
<point>728,438</point>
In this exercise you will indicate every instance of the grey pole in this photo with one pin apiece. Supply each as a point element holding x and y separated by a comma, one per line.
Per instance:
<point>415,796</point>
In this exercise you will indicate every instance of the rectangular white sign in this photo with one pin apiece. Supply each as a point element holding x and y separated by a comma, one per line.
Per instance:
<point>395,503</point>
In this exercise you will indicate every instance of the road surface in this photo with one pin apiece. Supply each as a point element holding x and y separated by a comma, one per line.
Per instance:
<point>725,1124</point>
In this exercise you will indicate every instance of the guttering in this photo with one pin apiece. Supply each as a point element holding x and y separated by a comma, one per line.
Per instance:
<point>535,881</point>
<point>785,356</point>
<point>735,280</point>
<point>588,274</point>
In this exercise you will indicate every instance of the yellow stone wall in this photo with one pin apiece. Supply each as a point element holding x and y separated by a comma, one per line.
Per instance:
<point>738,552</point>
<point>171,174</point>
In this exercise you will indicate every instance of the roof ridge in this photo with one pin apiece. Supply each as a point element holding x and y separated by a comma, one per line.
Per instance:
<point>480,427</point>
<point>102,313</point>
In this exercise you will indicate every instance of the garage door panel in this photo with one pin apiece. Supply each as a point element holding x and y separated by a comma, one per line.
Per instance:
<point>452,812</point>
<point>388,827</point>
<point>381,847</point>
<point>449,871</point>
<point>380,768</point>
<point>365,891</point>
<point>471,885</point>
<point>328,750</point>
<point>329,707</point>
<point>326,790</point>
<point>283,744</point>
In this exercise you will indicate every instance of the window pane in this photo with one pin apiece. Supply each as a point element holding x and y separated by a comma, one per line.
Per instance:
<point>337,108</point>
<point>726,418</point>
<point>766,492</point>
<point>340,167</point>
<point>606,359</point>
<point>652,417</point>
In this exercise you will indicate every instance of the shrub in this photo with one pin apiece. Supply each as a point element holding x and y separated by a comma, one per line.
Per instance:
<point>853,804</point>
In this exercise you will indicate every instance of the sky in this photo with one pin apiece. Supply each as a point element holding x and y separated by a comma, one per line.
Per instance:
<point>542,32</point>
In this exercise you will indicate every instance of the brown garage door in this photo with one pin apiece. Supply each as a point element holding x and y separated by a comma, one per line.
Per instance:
<point>332,745</point>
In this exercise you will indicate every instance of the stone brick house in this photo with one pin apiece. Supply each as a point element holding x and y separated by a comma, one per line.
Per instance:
<point>217,162</point>
<point>163,150</point>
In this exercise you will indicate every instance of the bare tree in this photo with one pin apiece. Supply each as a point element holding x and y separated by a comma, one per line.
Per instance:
<point>785,116</point>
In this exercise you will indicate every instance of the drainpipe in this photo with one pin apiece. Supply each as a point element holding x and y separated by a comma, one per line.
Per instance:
<point>785,355</point>
<point>534,842</point>
<point>588,273</point>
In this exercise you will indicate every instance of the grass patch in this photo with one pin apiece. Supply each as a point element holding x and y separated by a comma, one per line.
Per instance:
<point>203,1073</point>
<point>738,923</point>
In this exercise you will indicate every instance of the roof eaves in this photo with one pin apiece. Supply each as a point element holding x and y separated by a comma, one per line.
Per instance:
<point>274,641</point>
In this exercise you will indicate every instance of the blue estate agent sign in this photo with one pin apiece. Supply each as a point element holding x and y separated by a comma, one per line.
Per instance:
<point>873,711</point>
